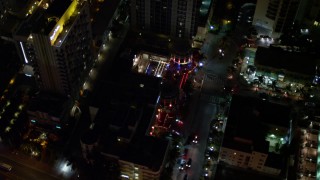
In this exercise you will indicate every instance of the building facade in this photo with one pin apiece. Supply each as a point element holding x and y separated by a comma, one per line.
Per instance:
<point>131,170</point>
<point>276,16</point>
<point>48,113</point>
<point>249,160</point>
<point>58,45</point>
<point>178,18</point>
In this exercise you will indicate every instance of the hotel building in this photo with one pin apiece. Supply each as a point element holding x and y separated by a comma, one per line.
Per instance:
<point>275,16</point>
<point>56,41</point>
<point>176,18</point>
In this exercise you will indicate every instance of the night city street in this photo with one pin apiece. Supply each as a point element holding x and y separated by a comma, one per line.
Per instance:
<point>159,89</point>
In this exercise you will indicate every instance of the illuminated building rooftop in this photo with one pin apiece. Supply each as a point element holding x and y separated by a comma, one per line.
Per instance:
<point>38,21</point>
<point>54,21</point>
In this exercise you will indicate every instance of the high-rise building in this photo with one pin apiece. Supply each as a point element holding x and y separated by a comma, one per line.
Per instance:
<point>174,18</point>
<point>56,41</point>
<point>311,19</point>
<point>276,16</point>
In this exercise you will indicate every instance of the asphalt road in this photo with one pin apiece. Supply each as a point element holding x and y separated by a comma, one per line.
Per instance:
<point>205,102</point>
<point>24,171</point>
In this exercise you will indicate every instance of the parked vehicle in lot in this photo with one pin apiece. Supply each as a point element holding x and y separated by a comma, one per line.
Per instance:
<point>5,166</point>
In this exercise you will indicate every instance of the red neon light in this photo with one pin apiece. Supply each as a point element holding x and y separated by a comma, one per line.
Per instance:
<point>182,81</point>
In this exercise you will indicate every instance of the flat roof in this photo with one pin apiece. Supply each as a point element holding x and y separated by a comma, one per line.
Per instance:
<point>158,44</point>
<point>275,160</point>
<point>121,115</point>
<point>53,104</point>
<point>38,21</point>
<point>146,151</point>
<point>103,16</point>
<point>276,57</point>
<point>126,100</point>
<point>246,110</point>
<point>259,146</point>
<point>232,144</point>
<point>249,118</point>
<point>132,87</point>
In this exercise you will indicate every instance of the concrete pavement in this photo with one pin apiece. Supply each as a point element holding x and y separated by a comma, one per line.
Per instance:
<point>204,104</point>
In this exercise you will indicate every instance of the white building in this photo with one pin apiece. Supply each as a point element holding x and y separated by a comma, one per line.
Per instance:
<point>275,16</point>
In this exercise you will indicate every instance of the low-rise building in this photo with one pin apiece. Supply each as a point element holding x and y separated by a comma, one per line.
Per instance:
<point>49,112</point>
<point>255,134</point>
<point>122,118</point>
<point>284,69</point>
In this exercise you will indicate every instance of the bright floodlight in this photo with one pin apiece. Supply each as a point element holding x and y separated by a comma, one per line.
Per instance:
<point>65,168</point>
<point>211,27</point>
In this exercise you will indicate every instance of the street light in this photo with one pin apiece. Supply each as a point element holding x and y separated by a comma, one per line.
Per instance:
<point>65,168</point>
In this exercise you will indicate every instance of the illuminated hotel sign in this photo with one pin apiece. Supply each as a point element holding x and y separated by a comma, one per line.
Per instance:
<point>54,32</point>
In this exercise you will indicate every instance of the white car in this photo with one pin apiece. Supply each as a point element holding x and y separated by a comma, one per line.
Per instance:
<point>182,164</point>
